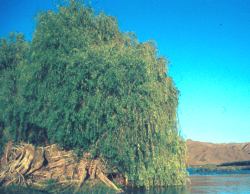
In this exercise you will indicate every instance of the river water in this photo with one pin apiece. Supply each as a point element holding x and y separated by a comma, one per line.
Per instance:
<point>211,184</point>
<point>224,184</point>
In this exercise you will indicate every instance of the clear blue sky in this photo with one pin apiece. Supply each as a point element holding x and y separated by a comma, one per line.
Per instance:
<point>207,43</point>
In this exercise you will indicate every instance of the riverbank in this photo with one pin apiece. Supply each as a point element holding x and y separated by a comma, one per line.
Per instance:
<point>52,168</point>
<point>206,158</point>
<point>217,169</point>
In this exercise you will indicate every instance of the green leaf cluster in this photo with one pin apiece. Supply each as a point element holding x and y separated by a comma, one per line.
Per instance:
<point>84,84</point>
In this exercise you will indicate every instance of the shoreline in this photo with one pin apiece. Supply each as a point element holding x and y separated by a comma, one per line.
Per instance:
<point>217,170</point>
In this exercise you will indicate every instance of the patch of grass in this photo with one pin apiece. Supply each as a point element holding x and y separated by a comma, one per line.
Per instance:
<point>14,189</point>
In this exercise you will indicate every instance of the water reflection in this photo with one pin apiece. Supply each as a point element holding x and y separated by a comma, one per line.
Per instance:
<point>220,184</point>
<point>170,190</point>
<point>223,184</point>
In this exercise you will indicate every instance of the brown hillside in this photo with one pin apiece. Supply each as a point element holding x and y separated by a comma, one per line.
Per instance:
<point>201,153</point>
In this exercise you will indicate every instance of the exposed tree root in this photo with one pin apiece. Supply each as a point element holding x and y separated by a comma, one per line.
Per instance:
<point>29,165</point>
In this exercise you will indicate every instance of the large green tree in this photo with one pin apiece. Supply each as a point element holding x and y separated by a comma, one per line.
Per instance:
<point>86,85</point>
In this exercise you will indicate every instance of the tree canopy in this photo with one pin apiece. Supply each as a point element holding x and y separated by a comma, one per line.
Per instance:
<point>85,85</point>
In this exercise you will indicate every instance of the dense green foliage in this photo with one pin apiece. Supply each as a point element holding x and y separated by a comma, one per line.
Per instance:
<point>13,56</point>
<point>85,85</point>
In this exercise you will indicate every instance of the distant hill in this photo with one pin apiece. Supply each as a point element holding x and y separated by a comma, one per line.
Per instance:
<point>201,153</point>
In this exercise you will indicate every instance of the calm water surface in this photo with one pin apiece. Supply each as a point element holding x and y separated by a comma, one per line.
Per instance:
<point>212,184</point>
<point>224,184</point>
